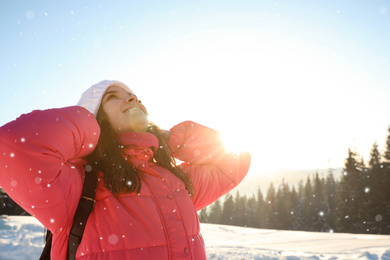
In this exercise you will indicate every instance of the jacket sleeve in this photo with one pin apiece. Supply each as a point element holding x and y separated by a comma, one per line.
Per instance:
<point>213,170</point>
<point>40,165</point>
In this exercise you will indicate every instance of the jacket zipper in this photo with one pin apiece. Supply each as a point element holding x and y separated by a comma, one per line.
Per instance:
<point>162,222</point>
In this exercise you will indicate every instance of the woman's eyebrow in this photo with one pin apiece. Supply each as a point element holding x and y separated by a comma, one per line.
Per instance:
<point>109,92</point>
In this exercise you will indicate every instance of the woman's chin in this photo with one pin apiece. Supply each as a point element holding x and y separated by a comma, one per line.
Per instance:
<point>135,127</point>
<point>140,126</point>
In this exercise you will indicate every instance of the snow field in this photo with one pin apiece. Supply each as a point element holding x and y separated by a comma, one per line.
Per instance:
<point>21,238</point>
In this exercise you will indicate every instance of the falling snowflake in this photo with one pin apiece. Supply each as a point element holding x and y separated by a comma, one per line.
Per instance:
<point>113,239</point>
<point>378,217</point>
<point>30,14</point>
<point>88,168</point>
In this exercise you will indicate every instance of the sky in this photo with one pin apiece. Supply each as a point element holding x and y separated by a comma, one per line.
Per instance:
<point>295,82</point>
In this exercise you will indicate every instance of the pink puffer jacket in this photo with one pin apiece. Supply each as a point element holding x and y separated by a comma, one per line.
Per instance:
<point>42,170</point>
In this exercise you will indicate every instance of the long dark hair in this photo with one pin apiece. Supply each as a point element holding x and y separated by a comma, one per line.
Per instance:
<point>119,175</point>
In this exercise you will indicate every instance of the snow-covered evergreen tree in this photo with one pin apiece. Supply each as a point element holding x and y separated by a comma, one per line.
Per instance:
<point>228,216</point>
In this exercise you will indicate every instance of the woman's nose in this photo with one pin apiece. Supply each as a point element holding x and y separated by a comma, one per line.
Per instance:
<point>132,98</point>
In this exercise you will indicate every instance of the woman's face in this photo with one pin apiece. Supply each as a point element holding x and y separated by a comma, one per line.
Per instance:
<point>125,112</point>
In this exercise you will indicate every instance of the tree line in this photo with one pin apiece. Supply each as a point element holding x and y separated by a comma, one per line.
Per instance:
<point>359,202</point>
<point>8,206</point>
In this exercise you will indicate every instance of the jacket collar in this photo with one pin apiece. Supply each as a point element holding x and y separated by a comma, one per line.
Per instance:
<point>138,140</point>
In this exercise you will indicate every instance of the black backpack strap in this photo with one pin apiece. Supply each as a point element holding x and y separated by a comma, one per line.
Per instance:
<point>85,207</point>
<point>47,249</point>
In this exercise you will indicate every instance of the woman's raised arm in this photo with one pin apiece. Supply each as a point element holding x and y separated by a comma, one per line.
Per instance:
<point>40,161</point>
<point>213,170</point>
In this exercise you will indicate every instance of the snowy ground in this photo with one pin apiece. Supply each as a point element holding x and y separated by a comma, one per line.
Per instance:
<point>22,238</point>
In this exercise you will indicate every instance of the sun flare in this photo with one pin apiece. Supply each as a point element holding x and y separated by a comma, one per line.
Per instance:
<point>234,143</point>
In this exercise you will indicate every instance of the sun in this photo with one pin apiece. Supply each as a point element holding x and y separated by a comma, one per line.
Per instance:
<point>235,143</point>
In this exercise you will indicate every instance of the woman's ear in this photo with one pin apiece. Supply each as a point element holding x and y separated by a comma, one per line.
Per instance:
<point>100,116</point>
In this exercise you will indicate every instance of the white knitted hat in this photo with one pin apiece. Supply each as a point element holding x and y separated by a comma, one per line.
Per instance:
<point>92,97</point>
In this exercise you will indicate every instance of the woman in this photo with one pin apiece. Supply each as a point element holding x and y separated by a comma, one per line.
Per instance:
<point>145,204</point>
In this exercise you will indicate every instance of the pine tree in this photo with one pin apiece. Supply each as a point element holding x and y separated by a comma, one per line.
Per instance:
<point>8,206</point>
<point>203,216</point>
<point>286,212</point>
<point>386,155</point>
<point>309,214</point>
<point>215,212</point>
<point>372,203</point>
<point>283,207</point>
<point>240,204</point>
<point>279,206</point>
<point>320,205</point>
<point>299,221</point>
<point>294,201</point>
<point>261,210</point>
<point>330,194</point>
<point>270,206</point>
<point>3,202</point>
<point>229,214</point>
<point>385,219</point>
<point>252,212</point>
<point>349,196</point>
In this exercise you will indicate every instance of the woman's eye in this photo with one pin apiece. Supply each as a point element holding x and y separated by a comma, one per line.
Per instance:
<point>110,97</point>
